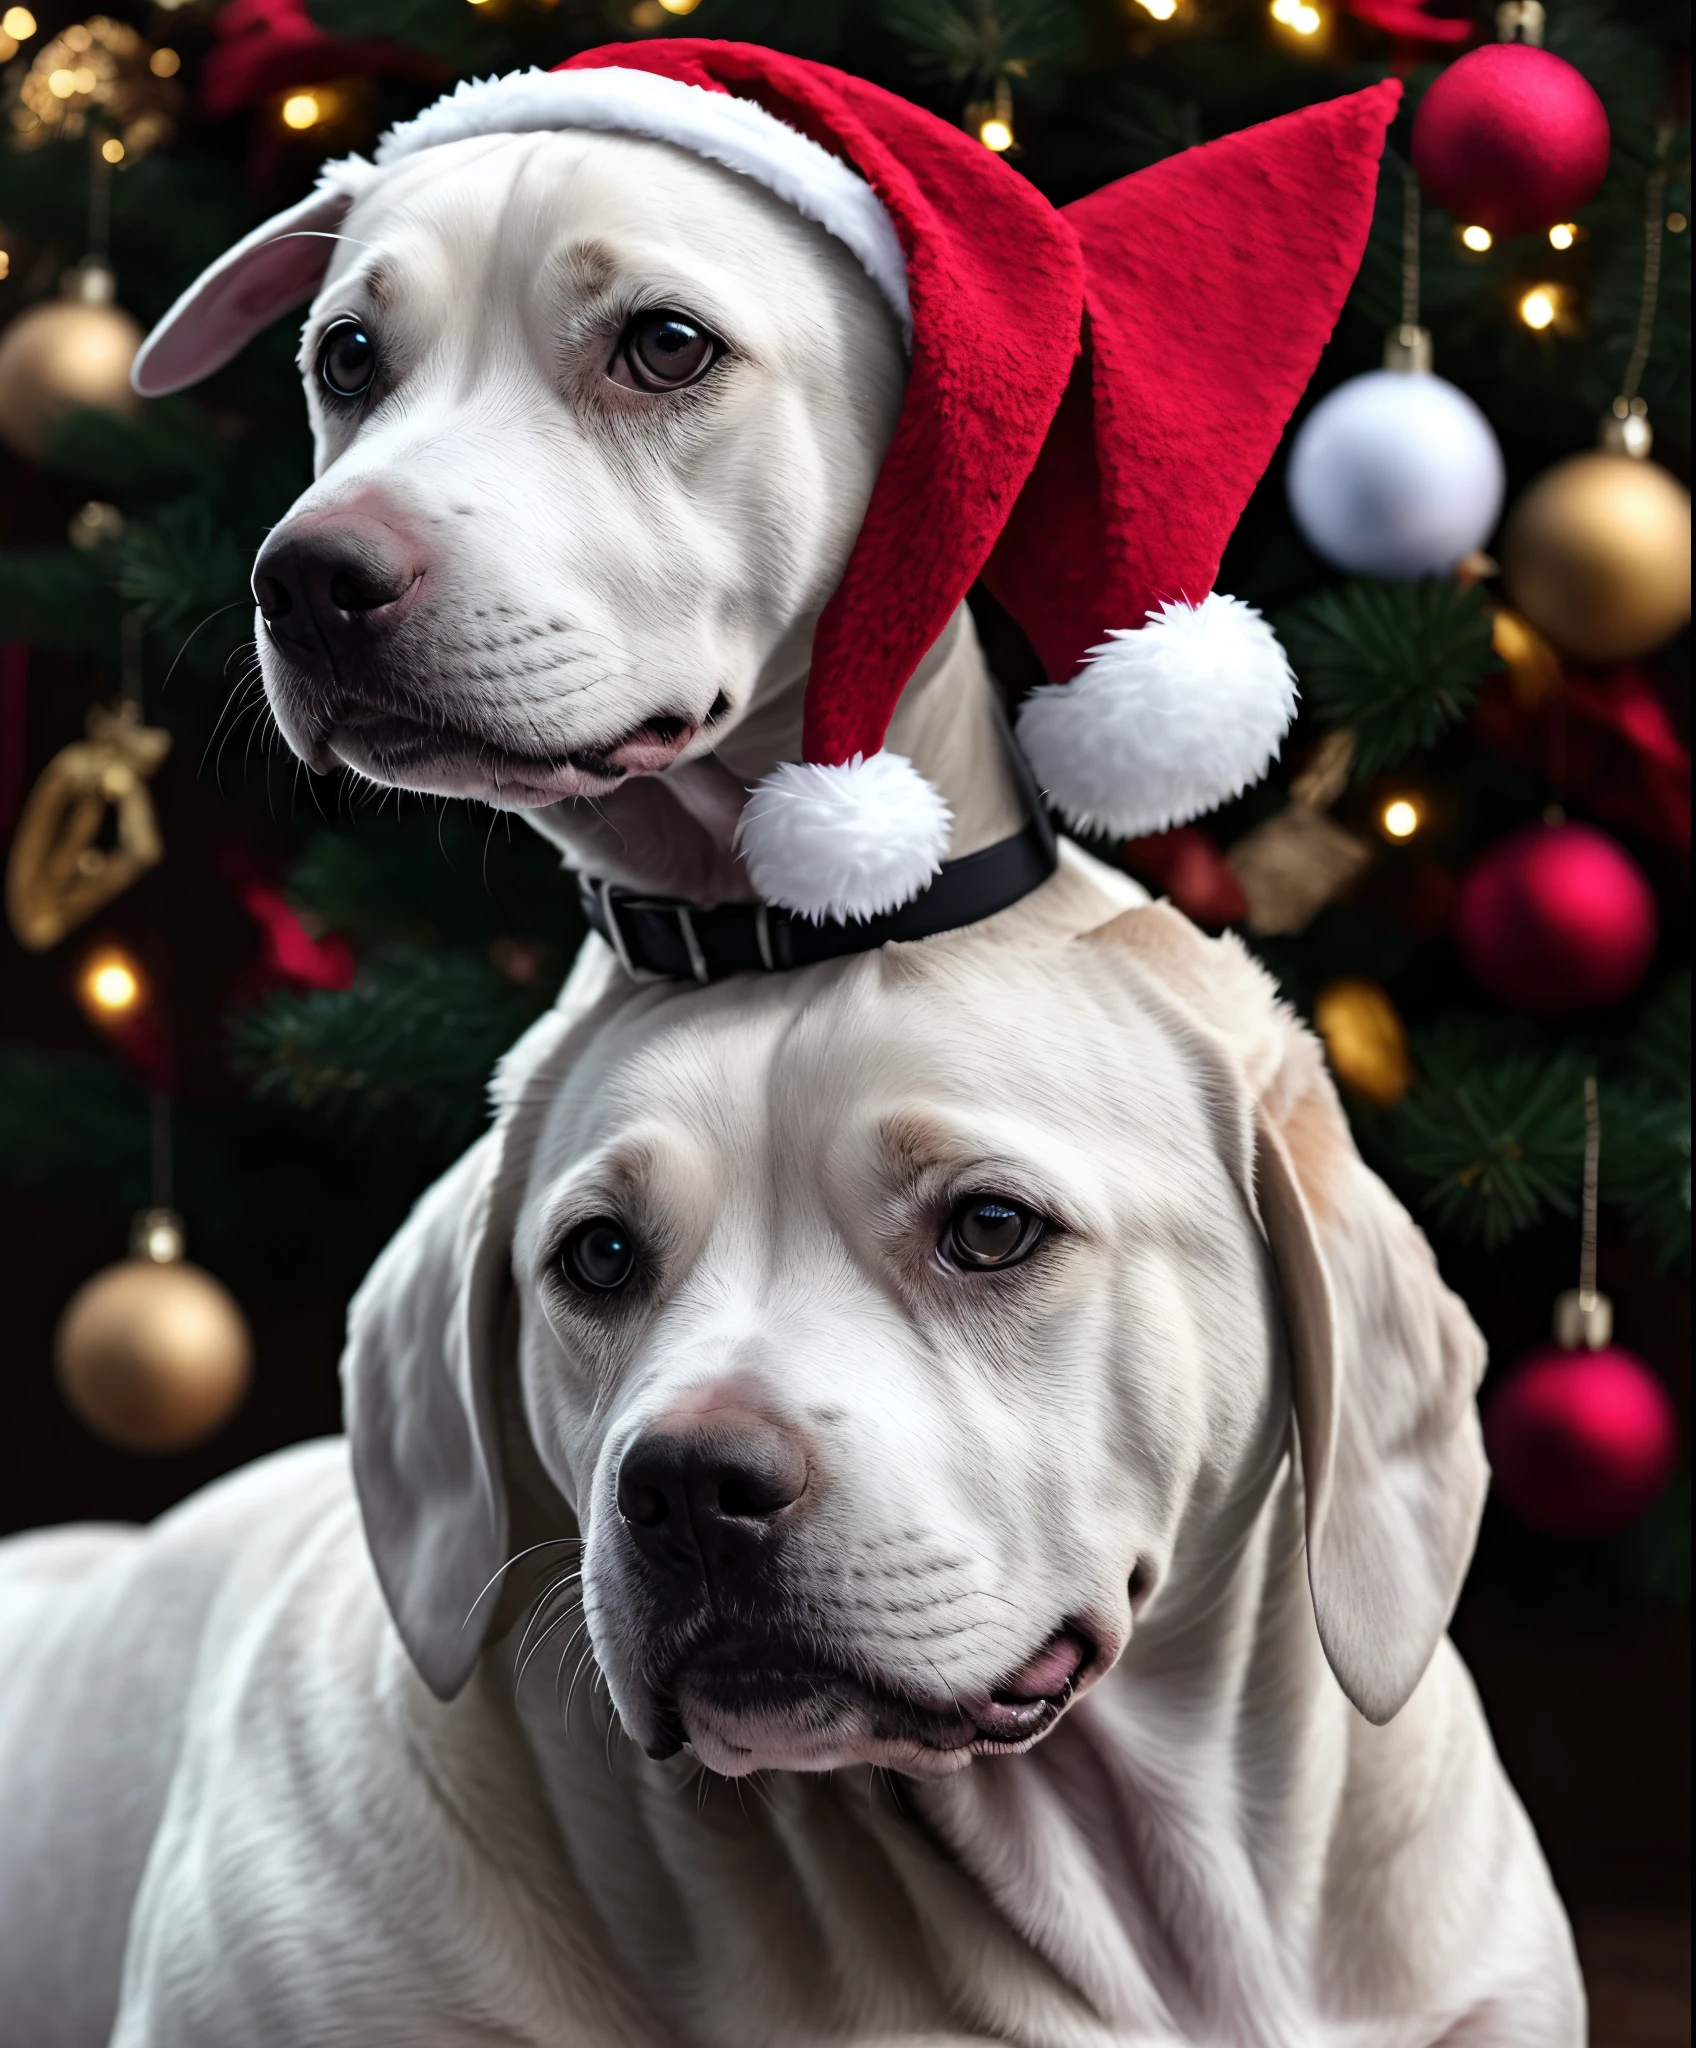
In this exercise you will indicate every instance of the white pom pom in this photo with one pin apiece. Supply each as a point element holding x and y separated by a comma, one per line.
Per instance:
<point>849,841</point>
<point>1165,721</point>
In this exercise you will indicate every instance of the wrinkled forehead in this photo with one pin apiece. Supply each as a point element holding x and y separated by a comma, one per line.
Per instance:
<point>600,206</point>
<point>895,1062</point>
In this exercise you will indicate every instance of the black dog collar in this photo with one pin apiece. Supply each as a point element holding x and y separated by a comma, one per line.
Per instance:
<point>657,937</point>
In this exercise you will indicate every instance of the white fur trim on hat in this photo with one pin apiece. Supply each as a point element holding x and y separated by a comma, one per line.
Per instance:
<point>848,841</point>
<point>733,132</point>
<point>1164,721</point>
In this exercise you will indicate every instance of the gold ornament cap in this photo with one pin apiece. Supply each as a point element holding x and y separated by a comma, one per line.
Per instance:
<point>1408,348</point>
<point>1625,429</point>
<point>1584,1320</point>
<point>158,1234</point>
<point>1520,21</point>
<point>89,283</point>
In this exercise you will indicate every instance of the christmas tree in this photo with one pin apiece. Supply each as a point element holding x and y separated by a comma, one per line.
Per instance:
<point>1468,869</point>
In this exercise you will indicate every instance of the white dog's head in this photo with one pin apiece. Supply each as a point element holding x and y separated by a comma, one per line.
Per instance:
<point>909,1333</point>
<point>597,422</point>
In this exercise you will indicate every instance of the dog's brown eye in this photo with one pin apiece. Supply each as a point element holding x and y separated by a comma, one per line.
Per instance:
<point>665,351</point>
<point>599,1256</point>
<point>347,360</point>
<point>987,1232</point>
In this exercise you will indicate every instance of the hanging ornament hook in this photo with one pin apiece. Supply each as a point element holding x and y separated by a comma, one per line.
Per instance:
<point>1408,346</point>
<point>1625,425</point>
<point>1583,1316</point>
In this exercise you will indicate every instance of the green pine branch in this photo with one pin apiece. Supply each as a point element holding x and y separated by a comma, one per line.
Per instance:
<point>64,599</point>
<point>403,1056</point>
<point>973,43</point>
<point>1494,1130</point>
<point>1399,663</point>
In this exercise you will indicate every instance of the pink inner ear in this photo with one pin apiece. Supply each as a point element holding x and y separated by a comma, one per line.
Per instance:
<point>235,299</point>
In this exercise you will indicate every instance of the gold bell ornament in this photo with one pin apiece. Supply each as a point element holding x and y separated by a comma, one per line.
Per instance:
<point>153,1354</point>
<point>1365,1040</point>
<point>72,351</point>
<point>1596,554</point>
<point>96,79</point>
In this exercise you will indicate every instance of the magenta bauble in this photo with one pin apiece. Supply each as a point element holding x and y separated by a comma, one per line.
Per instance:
<point>1511,138</point>
<point>1555,920</point>
<point>1581,1443</point>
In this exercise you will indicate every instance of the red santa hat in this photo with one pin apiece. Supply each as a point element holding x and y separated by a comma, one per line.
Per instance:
<point>1093,393</point>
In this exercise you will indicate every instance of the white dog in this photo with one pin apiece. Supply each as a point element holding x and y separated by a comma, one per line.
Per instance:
<point>668,405</point>
<point>918,1500</point>
<point>596,422</point>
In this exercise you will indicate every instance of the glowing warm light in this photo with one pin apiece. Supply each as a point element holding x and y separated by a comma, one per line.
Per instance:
<point>995,134</point>
<point>61,84</point>
<point>1478,239</point>
<point>164,63</point>
<point>301,110</point>
<point>1399,818</point>
<point>110,985</point>
<point>5,262</point>
<point>680,6</point>
<point>1296,14</point>
<point>112,150</point>
<point>18,23</point>
<point>1676,223</point>
<point>1562,235</point>
<point>1162,10</point>
<point>1537,308</point>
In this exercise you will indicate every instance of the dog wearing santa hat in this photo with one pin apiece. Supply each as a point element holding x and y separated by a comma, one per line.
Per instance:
<point>667,407</point>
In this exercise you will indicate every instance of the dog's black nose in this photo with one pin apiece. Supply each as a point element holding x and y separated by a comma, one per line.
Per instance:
<point>320,593</point>
<point>706,1502</point>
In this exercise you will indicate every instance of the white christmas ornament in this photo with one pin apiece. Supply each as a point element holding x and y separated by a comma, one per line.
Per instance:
<point>1395,474</point>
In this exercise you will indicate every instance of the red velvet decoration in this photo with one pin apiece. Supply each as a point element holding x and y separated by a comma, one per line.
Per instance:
<point>1408,20</point>
<point>1606,743</point>
<point>1581,1443</point>
<point>1557,919</point>
<point>1214,280</point>
<point>265,46</point>
<point>1193,299</point>
<point>291,951</point>
<point>1511,138</point>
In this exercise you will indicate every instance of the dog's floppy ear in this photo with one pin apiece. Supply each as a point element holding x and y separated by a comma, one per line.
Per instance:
<point>1385,1360</point>
<point>418,1385</point>
<point>267,273</point>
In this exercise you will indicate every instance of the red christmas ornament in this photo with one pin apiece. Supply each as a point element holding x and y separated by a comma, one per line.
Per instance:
<point>1510,138</point>
<point>1581,1443</point>
<point>1557,919</point>
<point>264,46</point>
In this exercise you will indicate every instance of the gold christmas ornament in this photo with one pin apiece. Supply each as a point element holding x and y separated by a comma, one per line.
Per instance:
<point>68,352</point>
<point>1533,667</point>
<point>153,1353</point>
<point>1596,555</point>
<point>57,877</point>
<point>1365,1040</point>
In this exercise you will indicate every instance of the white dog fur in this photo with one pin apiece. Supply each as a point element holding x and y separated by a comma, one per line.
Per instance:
<point>579,557</point>
<point>1269,1815</point>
